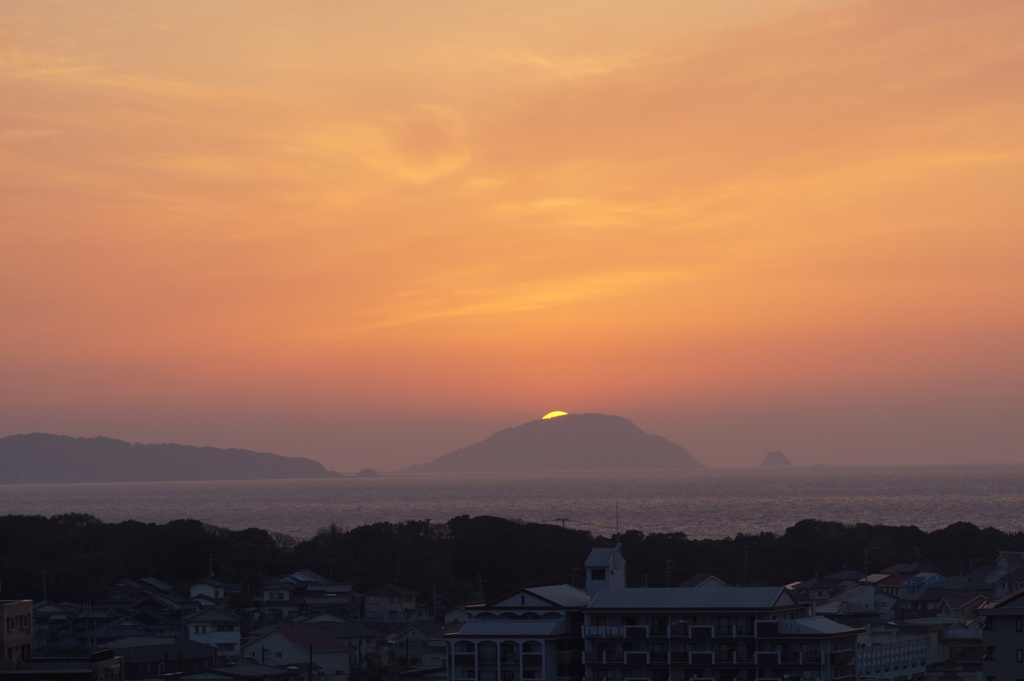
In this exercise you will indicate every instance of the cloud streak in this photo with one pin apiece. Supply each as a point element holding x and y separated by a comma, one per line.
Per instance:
<point>632,210</point>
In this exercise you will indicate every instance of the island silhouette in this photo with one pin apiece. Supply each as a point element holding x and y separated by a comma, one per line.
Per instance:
<point>569,442</point>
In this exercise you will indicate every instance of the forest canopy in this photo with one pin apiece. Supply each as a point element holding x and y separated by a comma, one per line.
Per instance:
<point>76,556</point>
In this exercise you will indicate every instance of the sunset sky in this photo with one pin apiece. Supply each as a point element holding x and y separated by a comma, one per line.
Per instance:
<point>373,232</point>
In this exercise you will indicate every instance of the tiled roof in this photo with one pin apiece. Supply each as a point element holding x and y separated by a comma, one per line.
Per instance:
<point>813,625</point>
<point>563,595</point>
<point>599,557</point>
<point>309,635</point>
<point>733,598</point>
<point>345,630</point>
<point>212,615</point>
<point>512,628</point>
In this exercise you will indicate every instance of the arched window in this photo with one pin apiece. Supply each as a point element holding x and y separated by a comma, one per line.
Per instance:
<point>487,653</point>
<point>509,654</point>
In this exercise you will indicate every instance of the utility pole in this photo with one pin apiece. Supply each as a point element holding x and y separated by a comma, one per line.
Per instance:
<point>746,575</point>
<point>867,550</point>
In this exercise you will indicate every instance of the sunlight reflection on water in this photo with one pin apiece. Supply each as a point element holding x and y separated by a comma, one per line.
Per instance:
<point>709,503</point>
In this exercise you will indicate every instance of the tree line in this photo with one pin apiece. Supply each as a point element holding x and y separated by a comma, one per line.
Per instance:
<point>75,557</point>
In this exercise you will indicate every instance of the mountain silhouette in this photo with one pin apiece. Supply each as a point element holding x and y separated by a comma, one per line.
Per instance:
<point>574,442</point>
<point>776,459</point>
<point>45,458</point>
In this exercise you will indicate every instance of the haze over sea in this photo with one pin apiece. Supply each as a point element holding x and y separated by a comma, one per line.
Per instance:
<point>707,503</point>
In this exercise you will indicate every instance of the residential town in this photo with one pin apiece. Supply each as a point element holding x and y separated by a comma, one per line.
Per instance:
<point>903,622</point>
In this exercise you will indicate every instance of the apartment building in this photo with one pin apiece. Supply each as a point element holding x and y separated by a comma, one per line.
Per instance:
<point>622,633</point>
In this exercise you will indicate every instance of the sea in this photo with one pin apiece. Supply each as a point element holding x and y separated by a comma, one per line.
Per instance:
<point>703,504</point>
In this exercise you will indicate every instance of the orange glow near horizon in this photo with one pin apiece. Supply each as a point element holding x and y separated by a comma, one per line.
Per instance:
<point>746,226</point>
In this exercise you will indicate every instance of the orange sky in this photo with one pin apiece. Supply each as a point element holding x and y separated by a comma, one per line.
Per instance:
<point>373,232</point>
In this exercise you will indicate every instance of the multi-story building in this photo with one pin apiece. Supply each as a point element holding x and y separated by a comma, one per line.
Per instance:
<point>19,664</point>
<point>532,633</point>
<point>391,604</point>
<point>1003,637</point>
<point>656,634</point>
<point>16,635</point>
<point>742,633</point>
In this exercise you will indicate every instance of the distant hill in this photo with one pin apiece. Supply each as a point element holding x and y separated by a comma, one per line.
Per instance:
<point>776,460</point>
<point>44,458</point>
<point>574,442</point>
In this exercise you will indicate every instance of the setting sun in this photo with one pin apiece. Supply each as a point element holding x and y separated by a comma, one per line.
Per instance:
<point>553,415</point>
<point>323,228</point>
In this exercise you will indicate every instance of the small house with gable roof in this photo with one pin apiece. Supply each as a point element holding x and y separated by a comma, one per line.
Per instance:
<point>306,647</point>
<point>217,628</point>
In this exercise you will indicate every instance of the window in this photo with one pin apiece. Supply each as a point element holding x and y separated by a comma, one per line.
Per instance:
<point>1020,654</point>
<point>597,573</point>
<point>200,628</point>
<point>1020,624</point>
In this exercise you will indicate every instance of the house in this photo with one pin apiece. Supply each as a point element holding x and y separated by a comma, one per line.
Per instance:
<point>306,646</point>
<point>962,607</point>
<point>303,592</point>
<point>821,589</point>
<point>278,598</point>
<point>1011,582</point>
<point>247,671</point>
<point>420,646</point>
<point>330,597</point>
<point>149,657</point>
<point>365,643</point>
<point>219,629</point>
<point>1003,637</point>
<point>210,591</point>
<point>391,604</point>
<point>858,605</point>
<point>920,604</point>
<point>922,581</point>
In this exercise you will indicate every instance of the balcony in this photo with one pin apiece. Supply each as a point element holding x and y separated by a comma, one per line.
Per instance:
<point>602,631</point>
<point>702,632</point>
<point>659,657</point>
<point>636,657</point>
<point>801,658</point>
<point>702,658</point>
<point>636,632</point>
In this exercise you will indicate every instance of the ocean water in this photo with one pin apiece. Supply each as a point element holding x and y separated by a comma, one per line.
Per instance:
<point>706,503</point>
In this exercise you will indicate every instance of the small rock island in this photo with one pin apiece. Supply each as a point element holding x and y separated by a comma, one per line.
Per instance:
<point>776,459</point>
